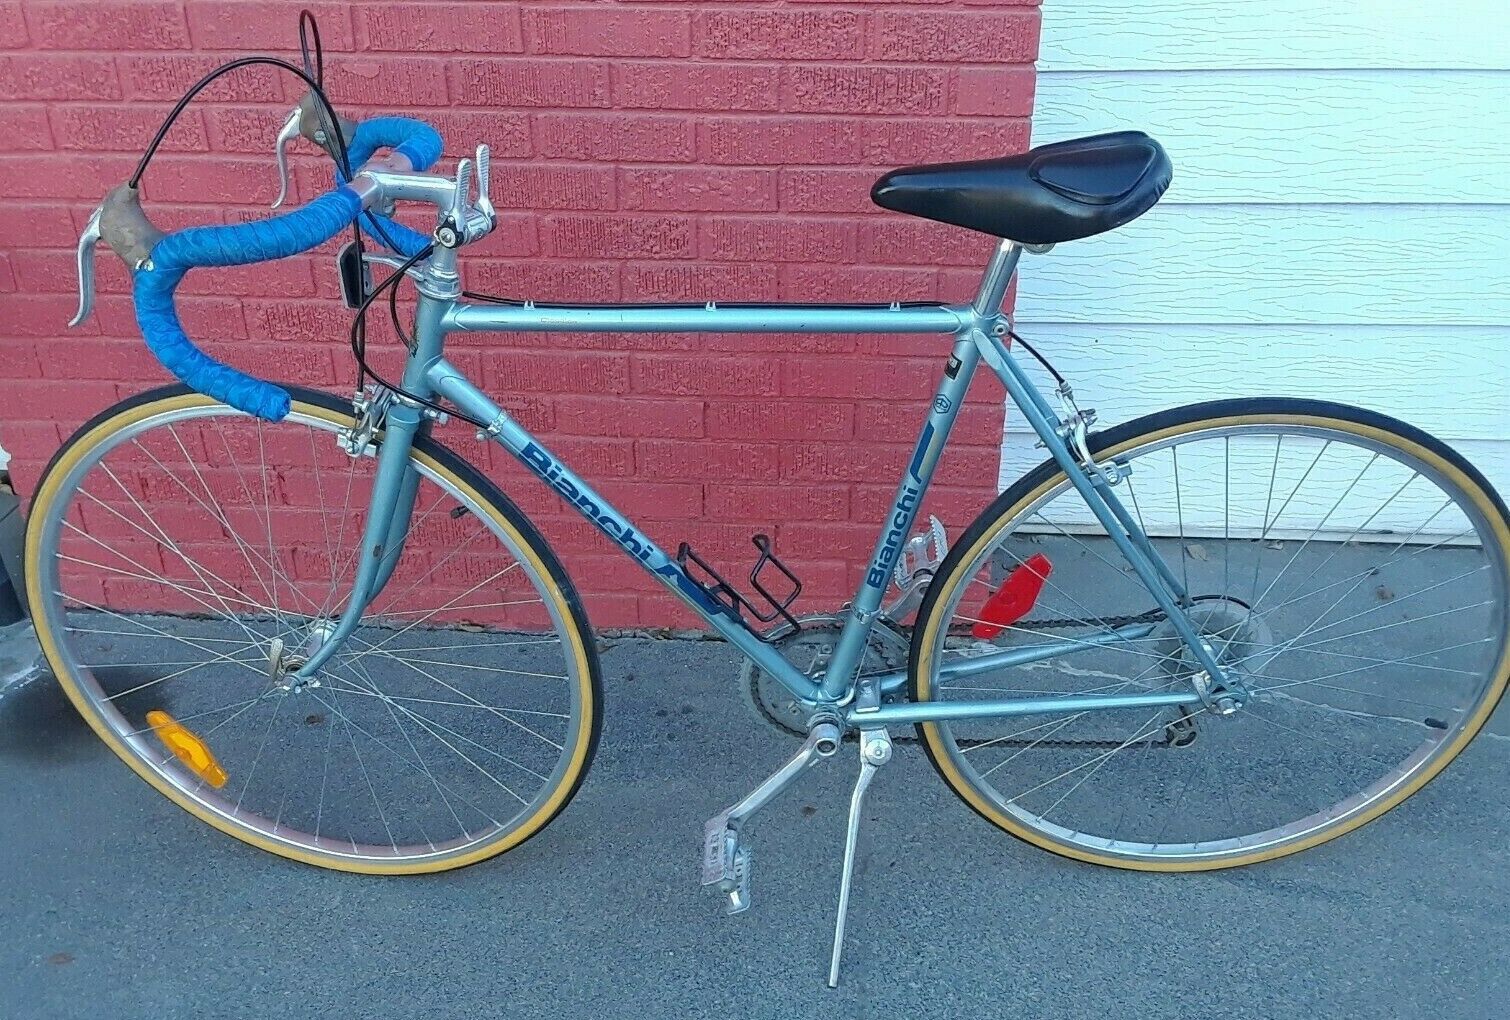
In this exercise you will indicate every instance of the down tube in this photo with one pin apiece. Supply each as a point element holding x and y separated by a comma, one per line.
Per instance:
<point>451,384</point>
<point>850,648</point>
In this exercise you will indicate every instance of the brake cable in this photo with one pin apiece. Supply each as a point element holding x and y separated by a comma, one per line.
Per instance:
<point>313,74</point>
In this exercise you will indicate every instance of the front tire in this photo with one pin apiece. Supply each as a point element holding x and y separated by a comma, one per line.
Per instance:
<point>1352,569</point>
<point>182,560</point>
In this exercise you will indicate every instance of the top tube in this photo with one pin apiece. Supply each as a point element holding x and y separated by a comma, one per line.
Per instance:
<point>712,317</point>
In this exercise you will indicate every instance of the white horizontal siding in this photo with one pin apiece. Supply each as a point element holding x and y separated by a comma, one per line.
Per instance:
<point>1281,264</point>
<point>1281,34</point>
<point>1127,370</point>
<point>1338,226</point>
<point>1325,137</point>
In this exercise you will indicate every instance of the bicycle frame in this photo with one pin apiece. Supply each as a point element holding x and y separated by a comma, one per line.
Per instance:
<point>978,330</point>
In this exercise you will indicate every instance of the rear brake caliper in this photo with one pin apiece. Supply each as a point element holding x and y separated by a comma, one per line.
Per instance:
<point>1074,428</point>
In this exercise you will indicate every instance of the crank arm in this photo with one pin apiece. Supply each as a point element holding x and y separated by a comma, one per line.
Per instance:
<point>726,857</point>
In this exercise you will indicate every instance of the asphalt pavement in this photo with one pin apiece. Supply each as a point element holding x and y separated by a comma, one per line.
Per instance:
<point>116,904</point>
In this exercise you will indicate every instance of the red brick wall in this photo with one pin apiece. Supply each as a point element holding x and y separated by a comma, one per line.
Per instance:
<point>642,151</point>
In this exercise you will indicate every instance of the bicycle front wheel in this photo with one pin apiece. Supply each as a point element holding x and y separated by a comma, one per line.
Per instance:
<point>1348,571</point>
<point>184,559</point>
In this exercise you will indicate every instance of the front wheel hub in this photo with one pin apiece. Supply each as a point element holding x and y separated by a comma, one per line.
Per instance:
<point>284,660</point>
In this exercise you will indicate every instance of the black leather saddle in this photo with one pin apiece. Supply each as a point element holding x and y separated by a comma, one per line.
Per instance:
<point>1053,193</point>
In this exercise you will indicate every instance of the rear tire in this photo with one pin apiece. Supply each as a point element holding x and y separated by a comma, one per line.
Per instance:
<point>1115,809</point>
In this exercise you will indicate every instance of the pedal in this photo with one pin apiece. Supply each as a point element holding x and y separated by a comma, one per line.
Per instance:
<point>739,888</point>
<point>726,862</point>
<point>719,846</point>
<point>923,553</point>
<point>919,559</point>
<point>726,856</point>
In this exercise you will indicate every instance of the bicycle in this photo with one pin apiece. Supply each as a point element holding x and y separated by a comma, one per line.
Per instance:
<point>1132,657</point>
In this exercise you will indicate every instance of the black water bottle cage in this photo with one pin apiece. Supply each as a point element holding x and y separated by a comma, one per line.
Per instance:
<point>721,591</point>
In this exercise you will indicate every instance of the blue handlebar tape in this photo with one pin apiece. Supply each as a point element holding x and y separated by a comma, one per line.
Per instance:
<point>416,140</point>
<point>236,245</point>
<point>175,254</point>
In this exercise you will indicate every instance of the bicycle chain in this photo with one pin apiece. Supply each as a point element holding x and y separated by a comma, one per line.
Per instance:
<point>908,735</point>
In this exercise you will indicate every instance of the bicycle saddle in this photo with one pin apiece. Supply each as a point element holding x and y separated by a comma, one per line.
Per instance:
<point>1052,193</point>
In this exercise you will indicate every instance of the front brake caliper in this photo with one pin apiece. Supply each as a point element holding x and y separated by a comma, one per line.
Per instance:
<point>368,408</point>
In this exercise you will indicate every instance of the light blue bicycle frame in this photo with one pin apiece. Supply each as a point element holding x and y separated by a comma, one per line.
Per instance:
<point>978,330</point>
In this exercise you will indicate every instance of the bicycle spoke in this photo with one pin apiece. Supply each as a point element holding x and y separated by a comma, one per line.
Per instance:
<point>215,512</point>
<point>462,694</point>
<point>158,535</point>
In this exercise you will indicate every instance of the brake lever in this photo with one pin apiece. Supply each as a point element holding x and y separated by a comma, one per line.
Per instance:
<point>125,229</point>
<point>285,139</point>
<point>309,120</point>
<point>85,256</point>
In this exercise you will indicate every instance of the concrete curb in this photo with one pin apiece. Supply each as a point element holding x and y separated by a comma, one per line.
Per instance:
<point>20,657</point>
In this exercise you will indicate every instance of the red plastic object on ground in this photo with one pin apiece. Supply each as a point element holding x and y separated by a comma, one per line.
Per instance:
<point>1015,598</point>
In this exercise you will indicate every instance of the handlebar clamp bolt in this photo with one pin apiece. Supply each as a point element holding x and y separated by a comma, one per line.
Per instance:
<point>446,235</point>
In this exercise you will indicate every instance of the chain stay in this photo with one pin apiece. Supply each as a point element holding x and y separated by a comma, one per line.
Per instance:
<point>1173,737</point>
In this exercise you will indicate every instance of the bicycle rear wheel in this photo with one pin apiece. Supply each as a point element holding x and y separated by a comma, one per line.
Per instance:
<point>1351,572</point>
<point>183,559</point>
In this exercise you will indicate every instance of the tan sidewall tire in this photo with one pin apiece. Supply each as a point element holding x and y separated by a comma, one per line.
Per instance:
<point>1000,515</point>
<point>511,522</point>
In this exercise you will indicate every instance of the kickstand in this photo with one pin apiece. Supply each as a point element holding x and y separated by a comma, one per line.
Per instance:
<point>875,751</point>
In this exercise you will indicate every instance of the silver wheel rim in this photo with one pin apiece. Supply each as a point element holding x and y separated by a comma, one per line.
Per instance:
<point>261,615</point>
<point>1338,814</point>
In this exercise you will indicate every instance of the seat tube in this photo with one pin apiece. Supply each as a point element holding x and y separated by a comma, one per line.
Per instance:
<point>849,650</point>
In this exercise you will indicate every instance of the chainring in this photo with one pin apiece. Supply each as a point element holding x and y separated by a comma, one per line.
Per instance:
<point>809,649</point>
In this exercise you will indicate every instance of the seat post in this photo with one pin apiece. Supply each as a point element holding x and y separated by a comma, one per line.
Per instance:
<point>998,277</point>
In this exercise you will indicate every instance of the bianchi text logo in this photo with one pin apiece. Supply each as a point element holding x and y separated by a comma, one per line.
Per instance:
<point>609,523</point>
<point>619,530</point>
<point>901,516</point>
